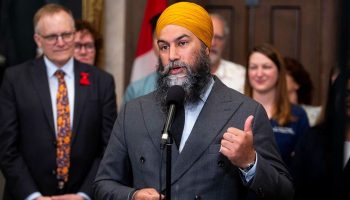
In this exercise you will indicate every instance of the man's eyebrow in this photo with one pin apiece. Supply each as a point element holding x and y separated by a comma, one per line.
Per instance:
<point>176,39</point>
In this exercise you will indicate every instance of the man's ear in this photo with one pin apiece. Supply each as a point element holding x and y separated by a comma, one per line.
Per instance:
<point>37,40</point>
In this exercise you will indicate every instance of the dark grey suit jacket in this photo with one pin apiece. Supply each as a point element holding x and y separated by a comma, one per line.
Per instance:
<point>132,158</point>
<point>27,133</point>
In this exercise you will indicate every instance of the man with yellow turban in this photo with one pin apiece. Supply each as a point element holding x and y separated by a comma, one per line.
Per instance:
<point>223,142</point>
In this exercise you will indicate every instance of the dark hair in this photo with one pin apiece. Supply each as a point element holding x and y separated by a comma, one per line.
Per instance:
<point>302,77</point>
<point>86,27</point>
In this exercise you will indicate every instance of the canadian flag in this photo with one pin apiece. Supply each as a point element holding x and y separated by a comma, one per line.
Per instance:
<point>146,60</point>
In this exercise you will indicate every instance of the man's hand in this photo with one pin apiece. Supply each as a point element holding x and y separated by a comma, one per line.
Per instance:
<point>237,145</point>
<point>67,197</point>
<point>147,194</point>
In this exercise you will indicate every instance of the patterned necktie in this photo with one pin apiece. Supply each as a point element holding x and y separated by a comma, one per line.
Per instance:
<point>63,131</point>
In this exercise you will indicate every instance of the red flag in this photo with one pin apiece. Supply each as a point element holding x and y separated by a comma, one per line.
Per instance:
<point>146,60</point>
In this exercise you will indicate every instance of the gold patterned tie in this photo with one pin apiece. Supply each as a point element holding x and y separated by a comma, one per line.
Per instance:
<point>63,131</point>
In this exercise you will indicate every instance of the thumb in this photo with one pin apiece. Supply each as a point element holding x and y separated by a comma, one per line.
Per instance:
<point>248,124</point>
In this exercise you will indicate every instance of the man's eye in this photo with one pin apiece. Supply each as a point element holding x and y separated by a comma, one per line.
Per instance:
<point>163,47</point>
<point>51,37</point>
<point>66,35</point>
<point>182,43</point>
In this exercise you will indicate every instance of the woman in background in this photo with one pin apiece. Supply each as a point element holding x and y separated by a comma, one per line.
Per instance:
<point>300,88</point>
<point>266,83</point>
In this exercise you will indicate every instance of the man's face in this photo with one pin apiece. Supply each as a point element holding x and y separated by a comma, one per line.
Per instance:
<point>55,36</point>
<point>177,46</point>
<point>183,61</point>
<point>84,47</point>
<point>218,42</point>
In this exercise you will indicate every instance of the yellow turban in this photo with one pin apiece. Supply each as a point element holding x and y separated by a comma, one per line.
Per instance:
<point>190,16</point>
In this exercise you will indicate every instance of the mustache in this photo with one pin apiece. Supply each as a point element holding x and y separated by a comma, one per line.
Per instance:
<point>174,64</point>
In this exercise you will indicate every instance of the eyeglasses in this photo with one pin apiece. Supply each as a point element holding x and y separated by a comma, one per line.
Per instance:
<point>53,38</point>
<point>88,46</point>
<point>219,38</point>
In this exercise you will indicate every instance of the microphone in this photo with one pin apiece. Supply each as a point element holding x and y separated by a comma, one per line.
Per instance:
<point>175,98</point>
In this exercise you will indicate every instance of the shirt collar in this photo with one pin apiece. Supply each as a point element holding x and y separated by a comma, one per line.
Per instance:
<point>66,68</point>
<point>204,96</point>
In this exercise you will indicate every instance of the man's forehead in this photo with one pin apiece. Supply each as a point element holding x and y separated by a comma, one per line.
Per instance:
<point>55,21</point>
<point>174,32</point>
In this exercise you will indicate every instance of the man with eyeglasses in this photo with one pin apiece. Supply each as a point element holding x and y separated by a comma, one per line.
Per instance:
<point>88,43</point>
<point>230,73</point>
<point>56,115</point>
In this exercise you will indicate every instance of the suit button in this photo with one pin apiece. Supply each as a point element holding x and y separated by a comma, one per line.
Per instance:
<point>53,172</point>
<point>54,143</point>
<point>221,163</point>
<point>197,197</point>
<point>261,192</point>
<point>142,159</point>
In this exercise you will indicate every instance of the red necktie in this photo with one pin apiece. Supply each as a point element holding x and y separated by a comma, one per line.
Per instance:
<point>63,131</point>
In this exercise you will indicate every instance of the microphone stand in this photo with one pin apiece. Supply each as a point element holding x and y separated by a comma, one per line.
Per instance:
<point>168,145</point>
<point>167,142</point>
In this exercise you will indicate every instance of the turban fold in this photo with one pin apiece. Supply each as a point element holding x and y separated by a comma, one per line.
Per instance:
<point>190,16</point>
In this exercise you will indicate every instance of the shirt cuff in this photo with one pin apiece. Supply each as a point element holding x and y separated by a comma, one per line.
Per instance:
<point>132,195</point>
<point>33,196</point>
<point>249,175</point>
<point>85,196</point>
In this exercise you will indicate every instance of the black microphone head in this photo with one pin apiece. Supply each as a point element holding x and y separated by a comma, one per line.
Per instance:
<point>175,95</point>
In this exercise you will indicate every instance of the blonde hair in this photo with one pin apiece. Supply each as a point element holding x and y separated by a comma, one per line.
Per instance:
<point>282,107</point>
<point>49,10</point>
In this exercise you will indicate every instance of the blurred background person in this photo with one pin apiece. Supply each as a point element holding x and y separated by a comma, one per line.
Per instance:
<point>230,73</point>
<point>147,84</point>
<point>300,88</point>
<point>88,43</point>
<point>320,163</point>
<point>266,83</point>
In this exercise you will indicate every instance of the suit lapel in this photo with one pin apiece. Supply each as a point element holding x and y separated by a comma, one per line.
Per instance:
<point>41,84</point>
<point>81,92</point>
<point>211,120</point>
<point>154,119</point>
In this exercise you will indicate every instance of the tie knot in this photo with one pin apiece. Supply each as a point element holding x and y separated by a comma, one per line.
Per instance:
<point>59,74</point>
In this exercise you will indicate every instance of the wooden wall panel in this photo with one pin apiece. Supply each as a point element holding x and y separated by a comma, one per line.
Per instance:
<point>294,27</point>
<point>286,22</point>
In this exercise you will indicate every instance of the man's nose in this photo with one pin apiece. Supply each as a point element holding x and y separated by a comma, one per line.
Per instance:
<point>173,54</point>
<point>60,41</point>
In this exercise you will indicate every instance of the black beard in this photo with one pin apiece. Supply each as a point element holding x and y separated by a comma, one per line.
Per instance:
<point>195,83</point>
